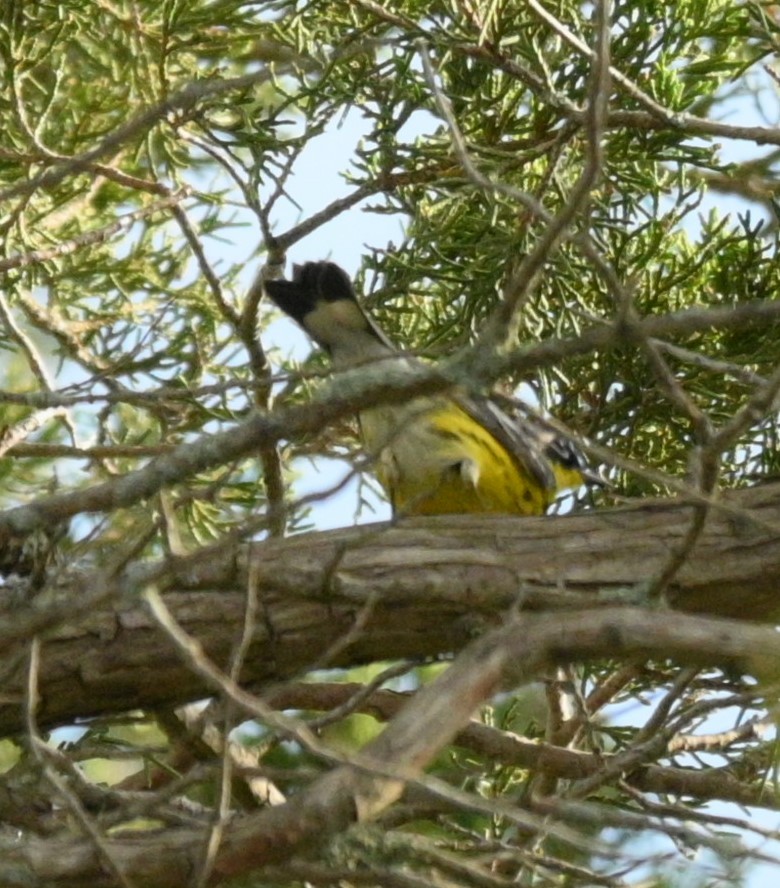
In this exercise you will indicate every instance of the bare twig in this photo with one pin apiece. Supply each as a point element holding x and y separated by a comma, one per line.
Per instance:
<point>713,365</point>
<point>357,700</point>
<point>222,812</point>
<point>754,729</point>
<point>647,745</point>
<point>11,437</point>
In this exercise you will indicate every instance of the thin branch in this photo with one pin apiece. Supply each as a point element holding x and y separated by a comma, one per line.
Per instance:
<point>754,729</point>
<point>96,236</point>
<point>222,812</point>
<point>557,227</point>
<point>148,398</point>
<point>648,744</point>
<point>359,697</point>
<point>214,284</point>
<point>345,395</point>
<point>754,410</point>
<point>11,437</point>
<point>665,116</point>
<point>184,100</point>
<point>659,119</point>
<point>41,450</point>
<point>40,750</point>
<point>34,360</point>
<point>712,365</point>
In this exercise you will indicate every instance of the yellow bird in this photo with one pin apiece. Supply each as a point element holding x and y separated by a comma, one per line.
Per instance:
<point>439,454</point>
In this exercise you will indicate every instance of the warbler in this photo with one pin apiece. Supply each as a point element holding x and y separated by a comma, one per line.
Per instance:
<point>441,454</point>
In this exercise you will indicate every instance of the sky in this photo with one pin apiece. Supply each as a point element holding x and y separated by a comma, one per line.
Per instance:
<point>316,182</point>
<point>344,240</point>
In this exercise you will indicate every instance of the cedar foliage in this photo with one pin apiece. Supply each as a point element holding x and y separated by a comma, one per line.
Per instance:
<point>148,171</point>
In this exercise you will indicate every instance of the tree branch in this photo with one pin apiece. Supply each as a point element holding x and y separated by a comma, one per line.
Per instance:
<point>346,395</point>
<point>518,651</point>
<point>433,583</point>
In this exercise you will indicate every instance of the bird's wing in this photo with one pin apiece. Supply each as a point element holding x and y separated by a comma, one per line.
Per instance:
<point>522,439</point>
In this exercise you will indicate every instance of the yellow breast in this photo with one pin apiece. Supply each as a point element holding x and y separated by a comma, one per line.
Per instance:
<point>435,459</point>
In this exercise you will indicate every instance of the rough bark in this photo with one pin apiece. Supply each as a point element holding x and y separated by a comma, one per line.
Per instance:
<point>373,779</point>
<point>419,589</point>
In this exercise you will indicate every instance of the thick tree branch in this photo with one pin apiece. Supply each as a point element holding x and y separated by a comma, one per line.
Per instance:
<point>518,651</point>
<point>432,583</point>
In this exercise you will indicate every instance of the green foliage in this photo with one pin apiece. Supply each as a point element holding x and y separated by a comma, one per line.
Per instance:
<point>148,169</point>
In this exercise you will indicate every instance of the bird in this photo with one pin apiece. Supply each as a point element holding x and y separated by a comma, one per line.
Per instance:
<point>439,454</point>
